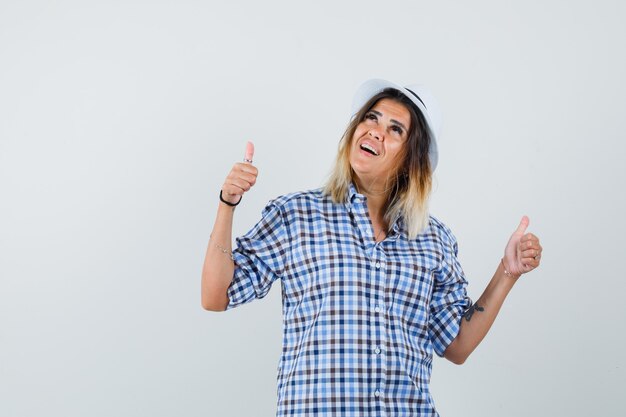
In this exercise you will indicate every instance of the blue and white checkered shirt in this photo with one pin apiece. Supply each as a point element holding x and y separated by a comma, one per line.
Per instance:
<point>360,318</point>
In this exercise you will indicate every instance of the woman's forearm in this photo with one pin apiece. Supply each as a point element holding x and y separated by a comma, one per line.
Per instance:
<point>218,269</point>
<point>478,319</point>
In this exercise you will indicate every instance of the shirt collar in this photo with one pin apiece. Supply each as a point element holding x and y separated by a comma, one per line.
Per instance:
<point>355,197</point>
<point>353,193</point>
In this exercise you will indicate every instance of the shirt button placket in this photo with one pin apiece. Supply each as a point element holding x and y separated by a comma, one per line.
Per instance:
<point>379,330</point>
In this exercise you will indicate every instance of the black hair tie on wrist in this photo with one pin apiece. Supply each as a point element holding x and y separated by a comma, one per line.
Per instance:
<point>229,203</point>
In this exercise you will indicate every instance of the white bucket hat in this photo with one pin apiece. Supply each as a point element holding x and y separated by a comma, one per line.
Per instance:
<point>419,95</point>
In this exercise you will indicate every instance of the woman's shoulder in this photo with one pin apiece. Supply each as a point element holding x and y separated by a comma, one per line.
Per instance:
<point>297,199</point>
<point>439,228</point>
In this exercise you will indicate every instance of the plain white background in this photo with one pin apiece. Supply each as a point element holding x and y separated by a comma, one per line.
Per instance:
<point>119,121</point>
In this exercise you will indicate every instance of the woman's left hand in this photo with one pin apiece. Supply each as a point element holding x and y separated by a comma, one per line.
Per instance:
<point>523,252</point>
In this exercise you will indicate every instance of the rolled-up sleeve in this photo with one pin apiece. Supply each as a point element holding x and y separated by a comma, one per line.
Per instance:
<point>260,257</point>
<point>449,300</point>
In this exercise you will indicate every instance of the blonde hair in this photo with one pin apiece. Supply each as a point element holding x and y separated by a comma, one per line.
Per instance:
<point>409,187</point>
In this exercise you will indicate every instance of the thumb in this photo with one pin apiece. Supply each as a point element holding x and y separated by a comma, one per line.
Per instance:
<point>249,152</point>
<point>523,225</point>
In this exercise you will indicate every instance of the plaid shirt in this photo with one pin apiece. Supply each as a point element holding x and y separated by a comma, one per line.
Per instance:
<point>360,318</point>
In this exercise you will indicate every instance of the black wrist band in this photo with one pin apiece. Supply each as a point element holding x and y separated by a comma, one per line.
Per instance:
<point>228,203</point>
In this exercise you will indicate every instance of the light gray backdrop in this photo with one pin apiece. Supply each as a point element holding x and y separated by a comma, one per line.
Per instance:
<point>120,119</point>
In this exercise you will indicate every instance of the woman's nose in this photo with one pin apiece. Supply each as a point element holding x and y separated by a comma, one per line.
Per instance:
<point>375,134</point>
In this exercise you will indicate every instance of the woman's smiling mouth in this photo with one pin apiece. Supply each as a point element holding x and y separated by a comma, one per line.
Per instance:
<point>369,148</point>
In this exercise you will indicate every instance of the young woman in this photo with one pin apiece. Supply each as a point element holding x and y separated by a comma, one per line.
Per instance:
<point>371,282</point>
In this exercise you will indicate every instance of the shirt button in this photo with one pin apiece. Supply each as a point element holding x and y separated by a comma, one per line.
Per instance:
<point>377,309</point>
<point>377,265</point>
<point>377,350</point>
<point>377,393</point>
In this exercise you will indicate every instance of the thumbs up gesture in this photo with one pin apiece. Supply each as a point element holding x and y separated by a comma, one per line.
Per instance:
<point>240,179</point>
<point>523,251</point>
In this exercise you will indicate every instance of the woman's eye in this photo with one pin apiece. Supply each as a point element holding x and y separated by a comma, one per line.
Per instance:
<point>370,116</point>
<point>397,129</point>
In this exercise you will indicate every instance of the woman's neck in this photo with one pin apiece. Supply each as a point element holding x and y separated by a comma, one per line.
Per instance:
<point>376,201</point>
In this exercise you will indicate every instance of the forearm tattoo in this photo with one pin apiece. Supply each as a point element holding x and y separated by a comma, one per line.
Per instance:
<point>470,311</point>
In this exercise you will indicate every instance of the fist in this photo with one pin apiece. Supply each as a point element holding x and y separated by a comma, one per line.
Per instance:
<point>523,251</point>
<point>241,177</point>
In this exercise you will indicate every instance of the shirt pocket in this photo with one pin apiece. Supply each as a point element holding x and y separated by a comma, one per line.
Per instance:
<point>409,289</point>
<point>320,263</point>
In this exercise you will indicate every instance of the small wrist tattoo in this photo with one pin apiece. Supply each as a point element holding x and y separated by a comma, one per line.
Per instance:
<point>470,311</point>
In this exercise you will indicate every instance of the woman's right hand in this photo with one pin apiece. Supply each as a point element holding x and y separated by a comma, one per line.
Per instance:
<point>241,177</point>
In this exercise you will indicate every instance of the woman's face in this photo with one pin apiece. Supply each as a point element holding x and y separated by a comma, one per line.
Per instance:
<point>379,142</point>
